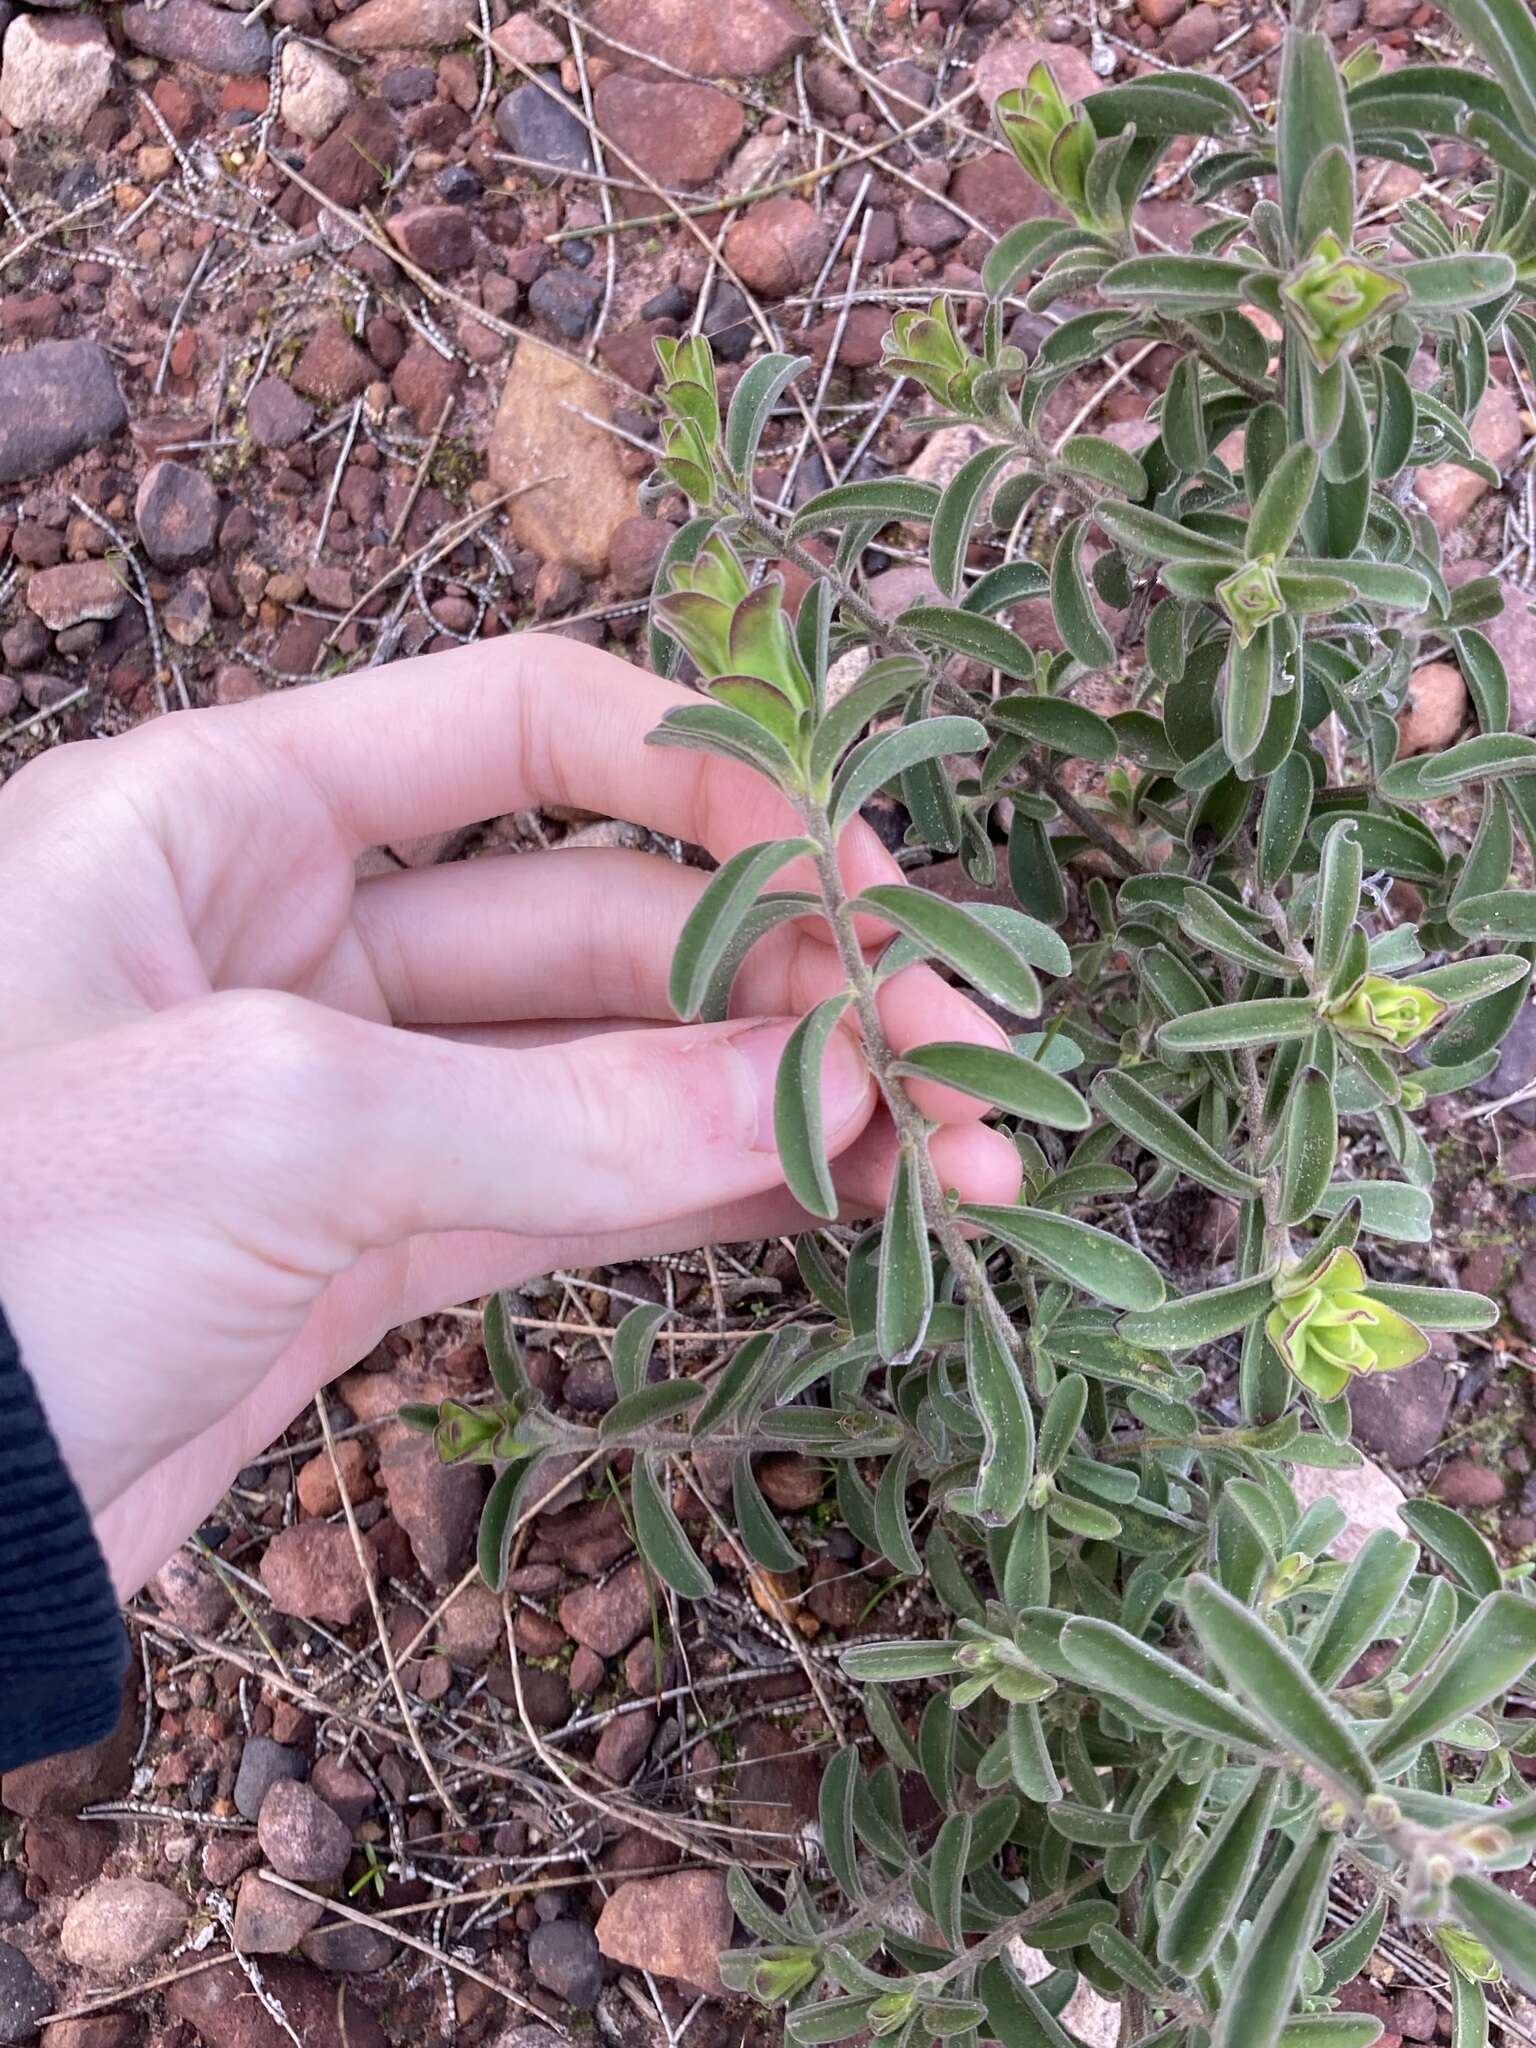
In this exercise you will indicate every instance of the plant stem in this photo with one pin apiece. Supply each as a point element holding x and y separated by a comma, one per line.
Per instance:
<point>911,1128</point>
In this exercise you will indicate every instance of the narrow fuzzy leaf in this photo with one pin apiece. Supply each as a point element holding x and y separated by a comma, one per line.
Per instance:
<point>1311,1146</point>
<point>997,1391</point>
<point>1150,1122</point>
<point>1072,604</point>
<point>956,514</point>
<point>1193,1319</point>
<point>1360,1608</point>
<point>660,1539</point>
<point>1280,507</point>
<point>1021,1086</point>
<point>1500,1921</point>
<point>1492,1652</point>
<point>1313,119</point>
<point>979,639</point>
<point>904,1297</point>
<point>1459,1547</point>
<point>1270,1022</point>
<point>1119,1665</point>
<point>1159,538</point>
<point>752,401</point>
<point>961,940</point>
<point>1210,1895</point>
<point>1283,818</point>
<point>884,756</point>
<point>633,1343</point>
<point>1057,723</point>
<point>1103,1266</point>
<point>1180,284</point>
<point>1450,284</point>
<point>1263,1984</point>
<point>712,923</point>
<point>1276,1687</point>
<point>884,499</point>
<point>797,1115</point>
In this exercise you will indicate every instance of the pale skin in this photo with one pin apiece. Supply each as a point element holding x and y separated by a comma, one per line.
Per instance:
<point>257,1112</point>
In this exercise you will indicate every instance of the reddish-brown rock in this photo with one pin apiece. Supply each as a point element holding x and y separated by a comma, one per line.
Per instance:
<point>1446,490</point>
<point>1434,710</point>
<point>1463,1483</point>
<point>673,1926</point>
<point>676,133</point>
<point>311,1570</point>
<point>607,1617</point>
<point>777,246</point>
<point>332,366</point>
<point>437,239</point>
<point>741,40</point>
<point>220,2006</point>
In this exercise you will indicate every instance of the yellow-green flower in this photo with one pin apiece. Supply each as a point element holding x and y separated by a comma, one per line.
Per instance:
<point>1377,1011</point>
<point>1251,597</point>
<point>1052,143</point>
<point>1329,1329</point>
<point>927,348</point>
<point>1332,296</point>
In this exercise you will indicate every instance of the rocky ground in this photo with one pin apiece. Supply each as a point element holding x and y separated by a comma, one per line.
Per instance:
<point>327,339</point>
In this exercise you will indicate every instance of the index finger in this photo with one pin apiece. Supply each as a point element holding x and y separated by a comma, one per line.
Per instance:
<point>513,724</point>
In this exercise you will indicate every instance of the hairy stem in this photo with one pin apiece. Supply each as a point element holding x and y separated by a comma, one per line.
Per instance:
<point>911,1128</point>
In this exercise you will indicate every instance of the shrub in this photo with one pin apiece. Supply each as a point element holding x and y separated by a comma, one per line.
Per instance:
<point>1144,1729</point>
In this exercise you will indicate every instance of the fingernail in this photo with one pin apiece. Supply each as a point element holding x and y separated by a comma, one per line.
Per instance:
<point>844,1077</point>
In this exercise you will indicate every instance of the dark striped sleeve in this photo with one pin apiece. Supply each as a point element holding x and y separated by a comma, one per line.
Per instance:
<point>62,1645</point>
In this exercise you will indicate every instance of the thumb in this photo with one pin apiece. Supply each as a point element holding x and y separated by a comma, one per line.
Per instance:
<point>617,1131</point>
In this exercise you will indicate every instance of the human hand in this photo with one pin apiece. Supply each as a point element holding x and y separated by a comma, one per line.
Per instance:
<point>228,1171</point>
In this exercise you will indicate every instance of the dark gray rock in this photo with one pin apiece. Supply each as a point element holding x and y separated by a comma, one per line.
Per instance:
<point>537,120</point>
<point>56,400</point>
<point>564,1958</point>
<point>727,322</point>
<point>262,1763</point>
<point>567,301</point>
<point>191,32</point>
<point>25,1999</point>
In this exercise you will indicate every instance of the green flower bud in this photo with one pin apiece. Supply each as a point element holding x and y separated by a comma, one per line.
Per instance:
<point>690,431</point>
<point>466,1435</point>
<point>1378,1011</point>
<point>1329,1330</point>
<point>770,1975</point>
<point>1382,1811</point>
<point>1052,143</point>
<point>1250,597</point>
<point>1332,296</point>
<point>1467,1955</point>
<point>1485,1841</point>
<point>927,348</point>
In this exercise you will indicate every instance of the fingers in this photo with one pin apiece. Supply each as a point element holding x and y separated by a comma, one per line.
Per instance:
<point>599,1134</point>
<point>591,934</point>
<point>141,1528</point>
<point>532,719</point>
